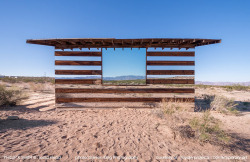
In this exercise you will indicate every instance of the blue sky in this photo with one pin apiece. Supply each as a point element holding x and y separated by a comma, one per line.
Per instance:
<point>120,62</point>
<point>227,20</point>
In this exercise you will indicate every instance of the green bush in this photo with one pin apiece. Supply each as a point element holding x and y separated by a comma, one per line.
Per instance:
<point>10,97</point>
<point>207,129</point>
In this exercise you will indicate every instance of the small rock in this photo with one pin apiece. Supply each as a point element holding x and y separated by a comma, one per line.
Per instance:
<point>12,118</point>
<point>63,137</point>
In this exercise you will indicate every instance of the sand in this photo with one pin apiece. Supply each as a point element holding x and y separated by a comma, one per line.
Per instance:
<point>131,133</point>
<point>111,134</point>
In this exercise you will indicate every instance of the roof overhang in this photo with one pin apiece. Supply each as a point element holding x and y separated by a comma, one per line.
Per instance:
<point>124,43</point>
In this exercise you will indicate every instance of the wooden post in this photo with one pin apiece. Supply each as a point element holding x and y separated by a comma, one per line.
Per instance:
<point>101,69</point>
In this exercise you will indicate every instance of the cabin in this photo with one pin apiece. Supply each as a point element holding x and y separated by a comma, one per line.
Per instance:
<point>91,91</point>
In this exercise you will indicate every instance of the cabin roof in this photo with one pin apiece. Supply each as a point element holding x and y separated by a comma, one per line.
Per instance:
<point>70,43</point>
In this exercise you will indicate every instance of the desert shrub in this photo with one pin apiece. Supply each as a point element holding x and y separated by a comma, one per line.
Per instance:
<point>208,98</point>
<point>28,79</point>
<point>186,131</point>
<point>207,128</point>
<point>237,87</point>
<point>203,86</point>
<point>41,87</point>
<point>10,97</point>
<point>170,107</point>
<point>224,105</point>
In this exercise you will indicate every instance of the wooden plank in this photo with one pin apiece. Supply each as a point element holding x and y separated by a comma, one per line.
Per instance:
<point>177,53</point>
<point>78,72</point>
<point>127,90</point>
<point>159,63</point>
<point>170,81</point>
<point>93,63</point>
<point>77,53</point>
<point>123,43</point>
<point>170,72</point>
<point>77,81</point>
<point>81,108</point>
<point>169,99</point>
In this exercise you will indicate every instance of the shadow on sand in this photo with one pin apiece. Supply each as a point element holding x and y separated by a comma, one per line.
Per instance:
<point>23,124</point>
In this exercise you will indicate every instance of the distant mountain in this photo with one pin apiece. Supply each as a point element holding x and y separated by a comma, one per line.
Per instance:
<point>223,83</point>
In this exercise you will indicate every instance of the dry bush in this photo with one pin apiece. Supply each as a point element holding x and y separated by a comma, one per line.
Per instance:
<point>224,105</point>
<point>172,106</point>
<point>41,87</point>
<point>185,131</point>
<point>10,97</point>
<point>158,112</point>
<point>237,87</point>
<point>207,129</point>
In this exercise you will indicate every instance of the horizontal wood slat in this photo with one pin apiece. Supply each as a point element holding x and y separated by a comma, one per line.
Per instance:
<point>135,90</point>
<point>158,63</point>
<point>177,53</point>
<point>170,81</point>
<point>67,100</point>
<point>78,72</point>
<point>78,81</point>
<point>93,63</point>
<point>170,72</point>
<point>77,53</point>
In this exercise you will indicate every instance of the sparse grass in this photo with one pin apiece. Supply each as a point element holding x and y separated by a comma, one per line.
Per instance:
<point>221,104</point>
<point>170,107</point>
<point>28,79</point>
<point>10,97</point>
<point>41,87</point>
<point>203,86</point>
<point>207,129</point>
<point>179,85</point>
<point>224,105</point>
<point>237,87</point>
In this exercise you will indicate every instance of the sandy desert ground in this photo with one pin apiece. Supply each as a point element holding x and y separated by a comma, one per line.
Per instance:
<point>116,134</point>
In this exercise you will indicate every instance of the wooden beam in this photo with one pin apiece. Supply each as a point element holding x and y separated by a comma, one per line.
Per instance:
<point>169,99</point>
<point>127,43</point>
<point>170,72</point>
<point>170,81</point>
<point>177,53</point>
<point>93,63</point>
<point>78,72</point>
<point>123,90</point>
<point>176,63</point>
<point>77,53</point>
<point>77,81</point>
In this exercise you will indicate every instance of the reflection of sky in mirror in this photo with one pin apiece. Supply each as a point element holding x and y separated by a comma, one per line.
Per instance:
<point>121,62</point>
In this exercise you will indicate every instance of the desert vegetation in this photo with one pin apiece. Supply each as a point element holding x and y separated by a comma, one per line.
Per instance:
<point>11,96</point>
<point>27,79</point>
<point>125,82</point>
<point>217,127</point>
<point>204,128</point>
<point>208,129</point>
